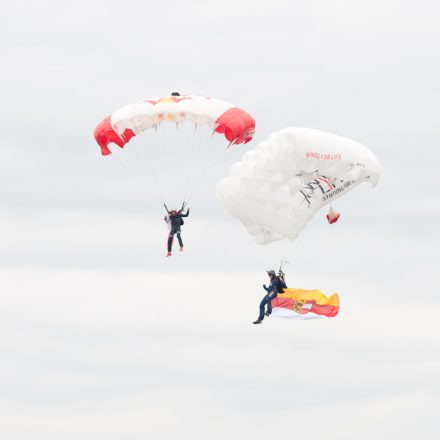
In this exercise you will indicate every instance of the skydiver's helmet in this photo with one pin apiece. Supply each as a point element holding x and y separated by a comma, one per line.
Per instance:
<point>173,212</point>
<point>175,94</point>
<point>271,273</point>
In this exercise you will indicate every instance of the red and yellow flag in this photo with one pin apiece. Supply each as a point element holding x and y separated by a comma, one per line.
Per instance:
<point>305,304</point>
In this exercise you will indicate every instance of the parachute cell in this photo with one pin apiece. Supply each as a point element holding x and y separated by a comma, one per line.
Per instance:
<point>277,188</point>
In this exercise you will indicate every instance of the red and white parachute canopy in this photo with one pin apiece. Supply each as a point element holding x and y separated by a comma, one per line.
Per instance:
<point>222,117</point>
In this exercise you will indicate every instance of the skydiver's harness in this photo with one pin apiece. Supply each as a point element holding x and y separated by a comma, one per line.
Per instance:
<point>273,287</point>
<point>175,221</point>
<point>277,284</point>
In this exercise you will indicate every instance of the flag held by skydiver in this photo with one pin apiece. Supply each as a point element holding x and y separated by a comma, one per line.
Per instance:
<point>294,303</point>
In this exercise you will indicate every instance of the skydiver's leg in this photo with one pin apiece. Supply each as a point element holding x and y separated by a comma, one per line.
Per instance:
<point>180,239</point>
<point>262,304</point>
<point>170,241</point>
<point>269,304</point>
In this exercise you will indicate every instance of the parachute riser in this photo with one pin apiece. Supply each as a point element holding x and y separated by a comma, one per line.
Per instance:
<point>184,204</point>
<point>281,273</point>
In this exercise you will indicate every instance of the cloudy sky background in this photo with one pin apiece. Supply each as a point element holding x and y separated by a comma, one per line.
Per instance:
<point>103,337</point>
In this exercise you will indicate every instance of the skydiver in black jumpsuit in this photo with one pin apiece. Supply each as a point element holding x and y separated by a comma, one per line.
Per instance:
<point>175,221</point>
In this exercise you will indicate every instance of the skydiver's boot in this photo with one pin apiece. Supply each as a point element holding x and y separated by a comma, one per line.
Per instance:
<point>258,321</point>
<point>169,254</point>
<point>181,248</point>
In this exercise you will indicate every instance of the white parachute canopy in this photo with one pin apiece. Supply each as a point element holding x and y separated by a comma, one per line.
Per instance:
<point>277,188</point>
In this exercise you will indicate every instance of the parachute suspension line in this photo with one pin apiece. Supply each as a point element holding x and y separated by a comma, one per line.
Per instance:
<point>138,157</point>
<point>121,163</point>
<point>176,156</point>
<point>199,151</point>
<point>190,161</point>
<point>285,250</point>
<point>196,150</point>
<point>169,147</point>
<point>282,264</point>
<point>193,157</point>
<point>202,158</point>
<point>216,158</point>
<point>210,165</point>
<point>194,146</point>
<point>183,163</point>
<point>144,164</point>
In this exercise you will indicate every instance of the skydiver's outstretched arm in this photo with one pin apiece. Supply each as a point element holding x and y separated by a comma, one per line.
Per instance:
<point>185,215</point>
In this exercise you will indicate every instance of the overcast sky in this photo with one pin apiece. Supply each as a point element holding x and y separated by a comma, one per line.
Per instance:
<point>103,337</point>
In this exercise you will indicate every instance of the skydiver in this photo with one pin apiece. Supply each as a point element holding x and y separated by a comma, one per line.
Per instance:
<point>175,94</point>
<point>276,286</point>
<point>175,221</point>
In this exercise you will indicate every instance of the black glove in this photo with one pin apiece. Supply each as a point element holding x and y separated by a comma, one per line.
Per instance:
<point>264,287</point>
